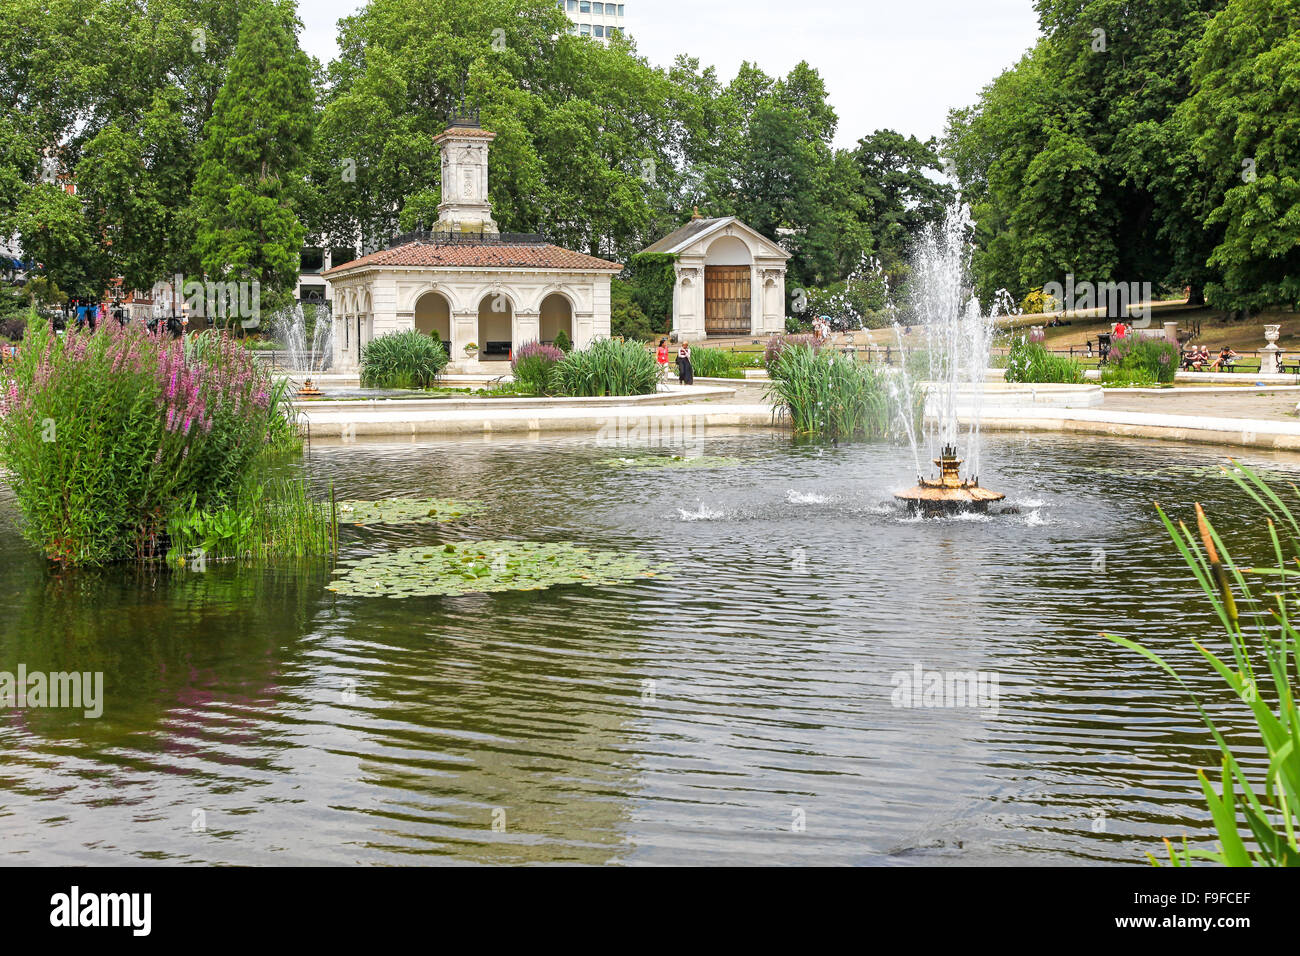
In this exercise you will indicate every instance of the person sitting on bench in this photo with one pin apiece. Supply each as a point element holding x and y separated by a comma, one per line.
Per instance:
<point>1225,360</point>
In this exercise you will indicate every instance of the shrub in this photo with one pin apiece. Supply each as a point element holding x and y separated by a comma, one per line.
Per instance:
<point>1159,357</point>
<point>606,367</point>
<point>407,359</point>
<point>1036,303</point>
<point>778,344</point>
<point>107,432</point>
<point>563,342</point>
<point>531,364</point>
<point>1031,362</point>
<point>716,363</point>
<point>834,397</point>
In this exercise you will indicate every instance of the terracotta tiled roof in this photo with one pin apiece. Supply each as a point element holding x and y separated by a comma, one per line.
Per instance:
<point>479,256</point>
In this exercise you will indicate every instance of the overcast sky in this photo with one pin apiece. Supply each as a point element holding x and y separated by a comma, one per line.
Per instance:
<point>896,64</point>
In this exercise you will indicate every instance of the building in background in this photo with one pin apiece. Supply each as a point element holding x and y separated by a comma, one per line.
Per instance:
<point>594,18</point>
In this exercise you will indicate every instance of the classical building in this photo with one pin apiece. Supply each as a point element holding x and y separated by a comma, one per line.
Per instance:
<point>482,291</point>
<point>730,279</point>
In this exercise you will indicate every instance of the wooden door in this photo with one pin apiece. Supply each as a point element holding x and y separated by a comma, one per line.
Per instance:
<point>726,300</point>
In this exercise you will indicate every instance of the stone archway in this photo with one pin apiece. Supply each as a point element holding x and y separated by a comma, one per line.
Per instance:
<point>556,315</point>
<point>728,303</point>
<point>433,314</point>
<point>495,327</point>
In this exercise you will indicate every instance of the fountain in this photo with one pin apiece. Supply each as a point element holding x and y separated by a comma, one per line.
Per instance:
<point>957,337</point>
<point>308,351</point>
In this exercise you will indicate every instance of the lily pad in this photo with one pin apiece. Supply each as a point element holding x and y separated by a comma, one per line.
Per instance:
<point>672,461</point>
<point>406,510</point>
<point>473,567</point>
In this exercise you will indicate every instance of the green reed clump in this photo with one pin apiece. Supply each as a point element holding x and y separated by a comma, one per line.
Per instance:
<point>831,396</point>
<point>1030,362</point>
<point>1256,820</point>
<point>1157,358</point>
<point>268,521</point>
<point>407,359</point>
<point>606,367</point>
<point>716,363</point>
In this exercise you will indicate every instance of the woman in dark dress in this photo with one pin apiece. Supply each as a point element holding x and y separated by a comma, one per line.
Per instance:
<point>685,370</point>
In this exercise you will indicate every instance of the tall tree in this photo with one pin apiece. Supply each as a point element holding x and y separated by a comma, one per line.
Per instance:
<point>249,183</point>
<point>1244,120</point>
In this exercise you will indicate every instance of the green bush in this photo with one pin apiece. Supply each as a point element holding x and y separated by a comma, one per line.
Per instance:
<point>626,317</point>
<point>1031,362</point>
<point>532,365</point>
<point>1158,357</point>
<point>651,278</point>
<point>108,433</point>
<point>606,367</point>
<point>562,341</point>
<point>716,363</point>
<point>834,397</point>
<point>402,360</point>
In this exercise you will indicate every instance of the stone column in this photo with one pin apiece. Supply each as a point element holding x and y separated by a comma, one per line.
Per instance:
<point>525,327</point>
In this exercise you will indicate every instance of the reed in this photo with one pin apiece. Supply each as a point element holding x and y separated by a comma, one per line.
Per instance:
<point>402,360</point>
<point>1256,819</point>
<point>269,521</point>
<point>834,397</point>
<point>606,367</point>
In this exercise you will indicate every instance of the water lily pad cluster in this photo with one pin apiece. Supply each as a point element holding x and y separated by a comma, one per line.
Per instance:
<point>470,567</point>
<point>405,510</point>
<point>672,461</point>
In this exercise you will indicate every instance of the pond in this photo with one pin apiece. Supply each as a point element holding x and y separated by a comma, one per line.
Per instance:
<point>741,711</point>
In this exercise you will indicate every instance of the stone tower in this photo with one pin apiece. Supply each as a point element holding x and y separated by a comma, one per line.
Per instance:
<point>465,206</point>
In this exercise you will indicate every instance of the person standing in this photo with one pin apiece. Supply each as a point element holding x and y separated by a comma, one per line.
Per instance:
<point>685,371</point>
<point>661,355</point>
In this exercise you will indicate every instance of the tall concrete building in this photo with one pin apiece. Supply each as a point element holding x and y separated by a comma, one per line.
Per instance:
<point>594,18</point>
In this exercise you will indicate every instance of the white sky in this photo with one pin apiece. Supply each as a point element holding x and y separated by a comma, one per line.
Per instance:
<point>896,64</point>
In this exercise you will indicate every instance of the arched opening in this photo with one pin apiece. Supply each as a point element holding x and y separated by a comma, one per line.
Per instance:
<point>495,327</point>
<point>433,314</point>
<point>556,315</point>
<point>727,302</point>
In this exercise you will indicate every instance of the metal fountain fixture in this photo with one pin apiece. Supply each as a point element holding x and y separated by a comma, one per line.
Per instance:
<point>949,493</point>
<point>308,390</point>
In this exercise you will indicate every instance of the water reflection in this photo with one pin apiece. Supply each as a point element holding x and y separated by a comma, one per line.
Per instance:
<point>740,712</point>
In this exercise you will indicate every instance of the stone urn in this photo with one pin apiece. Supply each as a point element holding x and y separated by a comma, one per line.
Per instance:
<point>1270,357</point>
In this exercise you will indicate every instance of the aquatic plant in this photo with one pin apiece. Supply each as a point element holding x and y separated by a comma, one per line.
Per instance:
<point>407,359</point>
<point>1256,824</point>
<point>466,567</point>
<point>108,432</point>
<point>267,521</point>
<point>716,363</point>
<point>531,365</point>
<point>1031,362</point>
<point>779,343</point>
<point>405,510</point>
<point>1158,357</point>
<point>834,397</point>
<point>606,367</point>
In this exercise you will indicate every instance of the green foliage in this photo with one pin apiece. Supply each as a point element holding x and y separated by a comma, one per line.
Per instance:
<point>267,521</point>
<point>626,318</point>
<point>533,366</point>
<point>253,152</point>
<point>1075,160</point>
<point>1156,358</point>
<point>1031,362</point>
<point>1242,121</point>
<point>1257,826</point>
<point>107,433</point>
<point>562,341</point>
<point>407,359</point>
<point>653,277</point>
<point>834,397</point>
<point>716,363</point>
<point>606,367</point>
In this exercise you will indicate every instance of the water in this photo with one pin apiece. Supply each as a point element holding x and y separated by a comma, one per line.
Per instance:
<point>956,334</point>
<point>692,720</point>
<point>308,350</point>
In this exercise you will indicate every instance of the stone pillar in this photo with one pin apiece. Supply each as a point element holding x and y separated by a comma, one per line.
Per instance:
<point>526,327</point>
<point>1171,332</point>
<point>1270,362</point>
